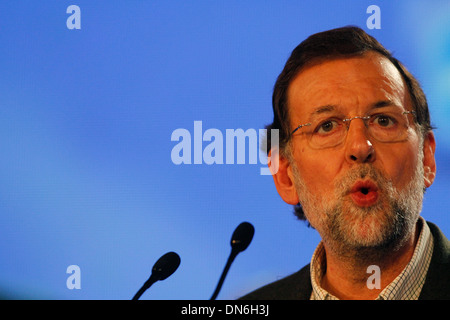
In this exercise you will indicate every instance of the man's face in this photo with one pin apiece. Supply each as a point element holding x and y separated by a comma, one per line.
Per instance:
<point>362,192</point>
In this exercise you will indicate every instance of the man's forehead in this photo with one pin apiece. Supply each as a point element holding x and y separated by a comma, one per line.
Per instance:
<point>365,79</point>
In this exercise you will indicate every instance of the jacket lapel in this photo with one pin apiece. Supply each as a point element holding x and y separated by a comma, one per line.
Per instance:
<point>437,282</point>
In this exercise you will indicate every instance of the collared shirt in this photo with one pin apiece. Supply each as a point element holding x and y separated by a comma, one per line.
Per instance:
<point>406,286</point>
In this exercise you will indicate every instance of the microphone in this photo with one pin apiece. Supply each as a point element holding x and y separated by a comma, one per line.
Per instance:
<point>162,269</point>
<point>240,240</point>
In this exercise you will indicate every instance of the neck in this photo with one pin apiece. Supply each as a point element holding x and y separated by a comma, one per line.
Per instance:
<point>349,276</point>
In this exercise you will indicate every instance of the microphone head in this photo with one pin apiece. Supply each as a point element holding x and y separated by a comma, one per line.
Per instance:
<point>242,236</point>
<point>166,265</point>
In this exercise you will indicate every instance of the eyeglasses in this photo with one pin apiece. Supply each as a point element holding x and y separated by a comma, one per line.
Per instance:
<point>328,132</point>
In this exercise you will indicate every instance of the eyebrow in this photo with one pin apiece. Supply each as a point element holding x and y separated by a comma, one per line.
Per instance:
<point>322,110</point>
<point>383,103</point>
<point>330,108</point>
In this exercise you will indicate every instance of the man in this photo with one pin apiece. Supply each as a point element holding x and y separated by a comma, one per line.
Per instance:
<point>356,155</point>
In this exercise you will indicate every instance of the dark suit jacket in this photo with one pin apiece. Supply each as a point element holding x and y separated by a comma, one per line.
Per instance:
<point>298,285</point>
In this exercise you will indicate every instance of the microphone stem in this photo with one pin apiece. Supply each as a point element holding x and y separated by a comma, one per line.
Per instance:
<point>139,293</point>
<point>145,286</point>
<point>231,258</point>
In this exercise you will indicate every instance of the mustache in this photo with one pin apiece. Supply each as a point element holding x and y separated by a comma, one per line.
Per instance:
<point>365,171</point>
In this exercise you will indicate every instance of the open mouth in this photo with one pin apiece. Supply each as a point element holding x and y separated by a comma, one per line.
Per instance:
<point>364,193</point>
<point>365,190</point>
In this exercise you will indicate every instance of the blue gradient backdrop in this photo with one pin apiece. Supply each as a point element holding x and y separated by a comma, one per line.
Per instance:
<point>86,118</point>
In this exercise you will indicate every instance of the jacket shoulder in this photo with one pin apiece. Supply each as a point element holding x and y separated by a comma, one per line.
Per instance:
<point>437,282</point>
<point>296,286</point>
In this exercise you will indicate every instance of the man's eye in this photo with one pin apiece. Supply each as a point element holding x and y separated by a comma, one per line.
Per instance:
<point>383,120</point>
<point>327,126</point>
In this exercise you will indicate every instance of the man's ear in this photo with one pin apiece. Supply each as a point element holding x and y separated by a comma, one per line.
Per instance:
<point>429,162</point>
<point>283,177</point>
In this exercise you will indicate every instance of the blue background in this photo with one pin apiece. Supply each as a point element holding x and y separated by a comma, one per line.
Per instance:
<point>86,118</point>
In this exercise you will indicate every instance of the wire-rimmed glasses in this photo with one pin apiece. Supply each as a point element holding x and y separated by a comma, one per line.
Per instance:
<point>330,131</point>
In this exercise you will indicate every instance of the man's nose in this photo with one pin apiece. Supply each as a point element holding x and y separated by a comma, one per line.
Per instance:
<point>359,148</point>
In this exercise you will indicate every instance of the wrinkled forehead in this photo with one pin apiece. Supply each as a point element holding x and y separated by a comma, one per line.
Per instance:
<point>350,84</point>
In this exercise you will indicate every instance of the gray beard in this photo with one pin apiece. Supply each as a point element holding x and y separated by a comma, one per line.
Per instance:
<point>388,224</point>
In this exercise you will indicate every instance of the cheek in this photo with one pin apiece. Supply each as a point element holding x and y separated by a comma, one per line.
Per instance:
<point>318,171</point>
<point>400,164</point>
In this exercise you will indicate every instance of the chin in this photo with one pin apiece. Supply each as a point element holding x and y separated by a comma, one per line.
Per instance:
<point>374,227</point>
